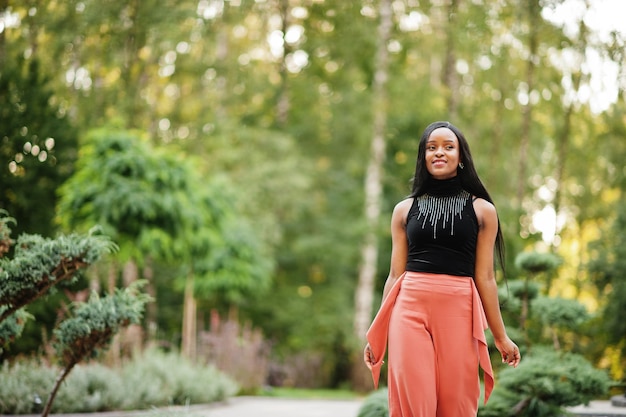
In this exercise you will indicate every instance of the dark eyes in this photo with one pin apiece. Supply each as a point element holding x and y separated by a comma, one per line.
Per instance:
<point>433,147</point>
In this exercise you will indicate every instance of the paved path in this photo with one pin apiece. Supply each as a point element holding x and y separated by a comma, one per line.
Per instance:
<point>285,407</point>
<point>242,407</point>
<point>282,407</point>
<point>598,409</point>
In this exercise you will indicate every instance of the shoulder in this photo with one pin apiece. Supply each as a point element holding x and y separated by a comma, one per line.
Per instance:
<point>485,212</point>
<point>401,210</point>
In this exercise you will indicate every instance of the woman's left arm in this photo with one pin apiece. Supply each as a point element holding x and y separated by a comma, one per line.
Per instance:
<point>484,277</point>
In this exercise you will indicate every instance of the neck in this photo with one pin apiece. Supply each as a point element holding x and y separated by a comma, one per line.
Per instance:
<point>445,187</point>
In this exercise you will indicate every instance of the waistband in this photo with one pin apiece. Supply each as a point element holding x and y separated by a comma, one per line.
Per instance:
<point>435,278</point>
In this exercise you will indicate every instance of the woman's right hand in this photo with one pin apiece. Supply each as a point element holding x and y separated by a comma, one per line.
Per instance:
<point>368,357</point>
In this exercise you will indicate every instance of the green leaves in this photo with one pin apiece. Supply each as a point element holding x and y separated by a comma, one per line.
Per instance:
<point>37,266</point>
<point>608,269</point>
<point>40,263</point>
<point>37,145</point>
<point>11,328</point>
<point>560,312</point>
<point>536,262</point>
<point>157,205</point>
<point>95,322</point>
<point>142,196</point>
<point>235,268</point>
<point>375,405</point>
<point>544,382</point>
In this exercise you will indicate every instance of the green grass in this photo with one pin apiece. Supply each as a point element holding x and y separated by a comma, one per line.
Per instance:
<point>331,394</point>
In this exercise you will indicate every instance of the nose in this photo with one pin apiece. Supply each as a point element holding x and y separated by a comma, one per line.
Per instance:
<point>438,151</point>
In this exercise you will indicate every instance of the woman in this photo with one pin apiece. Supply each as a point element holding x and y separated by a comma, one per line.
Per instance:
<point>441,287</point>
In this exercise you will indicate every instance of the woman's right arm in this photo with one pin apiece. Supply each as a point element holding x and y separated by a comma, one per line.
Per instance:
<point>399,253</point>
<point>399,244</point>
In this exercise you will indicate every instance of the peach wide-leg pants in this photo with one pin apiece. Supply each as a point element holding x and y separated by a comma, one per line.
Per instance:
<point>434,325</point>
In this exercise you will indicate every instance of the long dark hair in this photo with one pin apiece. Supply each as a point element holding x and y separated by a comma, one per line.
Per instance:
<point>468,176</point>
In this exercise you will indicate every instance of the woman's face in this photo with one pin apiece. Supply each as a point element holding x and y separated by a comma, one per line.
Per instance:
<point>442,154</point>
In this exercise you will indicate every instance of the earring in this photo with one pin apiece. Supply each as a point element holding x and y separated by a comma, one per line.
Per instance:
<point>461,165</point>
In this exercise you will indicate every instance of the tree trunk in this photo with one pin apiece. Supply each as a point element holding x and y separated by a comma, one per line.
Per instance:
<point>112,356</point>
<point>283,102</point>
<point>562,147</point>
<point>132,68</point>
<point>188,343</point>
<point>222,50</point>
<point>130,339</point>
<point>32,23</point>
<point>55,389</point>
<point>555,338</point>
<point>151,308</point>
<point>496,145</point>
<point>450,78</point>
<point>4,6</point>
<point>373,189</point>
<point>563,139</point>
<point>533,13</point>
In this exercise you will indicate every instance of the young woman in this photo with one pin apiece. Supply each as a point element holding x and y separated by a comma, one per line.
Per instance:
<point>441,290</point>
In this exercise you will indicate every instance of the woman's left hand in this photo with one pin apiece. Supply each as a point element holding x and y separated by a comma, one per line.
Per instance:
<point>509,351</point>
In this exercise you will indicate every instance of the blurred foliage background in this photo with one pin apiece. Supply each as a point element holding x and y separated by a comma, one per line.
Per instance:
<point>229,148</point>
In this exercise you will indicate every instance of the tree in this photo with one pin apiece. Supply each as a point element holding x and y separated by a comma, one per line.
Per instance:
<point>608,269</point>
<point>38,266</point>
<point>161,210</point>
<point>559,315</point>
<point>92,328</point>
<point>373,177</point>
<point>37,147</point>
<point>532,14</point>
<point>225,264</point>
<point>543,384</point>
<point>533,264</point>
<point>139,195</point>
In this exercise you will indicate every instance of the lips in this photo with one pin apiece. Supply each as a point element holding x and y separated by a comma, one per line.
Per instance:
<point>439,162</point>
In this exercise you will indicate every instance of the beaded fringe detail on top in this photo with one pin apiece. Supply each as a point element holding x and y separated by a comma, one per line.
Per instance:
<point>441,211</point>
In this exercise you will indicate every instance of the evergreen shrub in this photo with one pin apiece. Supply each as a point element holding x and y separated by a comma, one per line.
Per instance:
<point>169,379</point>
<point>375,405</point>
<point>93,387</point>
<point>153,379</point>
<point>543,384</point>
<point>22,384</point>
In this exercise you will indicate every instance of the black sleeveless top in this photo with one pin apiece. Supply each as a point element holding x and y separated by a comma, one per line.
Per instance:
<point>442,230</point>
